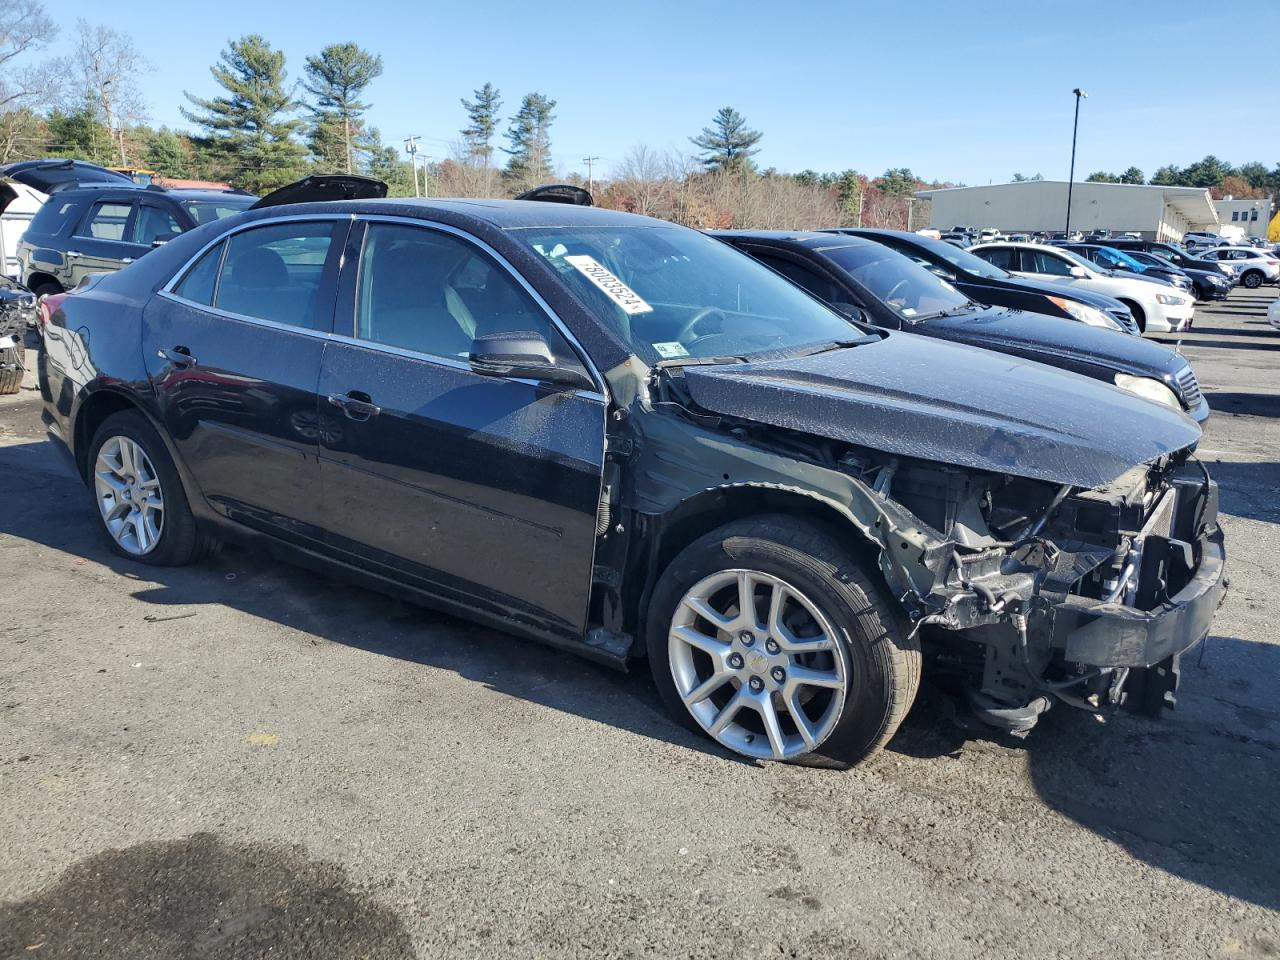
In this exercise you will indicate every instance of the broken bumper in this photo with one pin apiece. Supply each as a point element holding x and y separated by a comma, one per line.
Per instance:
<point>1111,635</point>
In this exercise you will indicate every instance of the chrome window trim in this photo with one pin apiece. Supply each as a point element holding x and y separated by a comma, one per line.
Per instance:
<point>601,392</point>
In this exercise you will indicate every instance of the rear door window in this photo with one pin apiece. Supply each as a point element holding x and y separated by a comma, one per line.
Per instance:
<point>279,273</point>
<point>108,220</point>
<point>1048,263</point>
<point>154,223</point>
<point>199,283</point>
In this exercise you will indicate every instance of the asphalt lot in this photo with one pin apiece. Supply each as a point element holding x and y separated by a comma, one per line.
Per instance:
<point>240,759</point>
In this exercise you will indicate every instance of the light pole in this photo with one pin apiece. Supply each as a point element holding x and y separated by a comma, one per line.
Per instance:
<point>1071,178</point>
<point>411,148</point>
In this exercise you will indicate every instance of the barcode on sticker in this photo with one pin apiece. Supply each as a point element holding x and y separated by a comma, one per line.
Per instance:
<point>609,285</point>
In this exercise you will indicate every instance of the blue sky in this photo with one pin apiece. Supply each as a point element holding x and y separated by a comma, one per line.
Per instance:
<point>961,91</point>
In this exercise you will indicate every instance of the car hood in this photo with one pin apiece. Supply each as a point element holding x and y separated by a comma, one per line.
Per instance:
<point>917,397</point>
<point>1053,340</point>
<point>1049,287</point>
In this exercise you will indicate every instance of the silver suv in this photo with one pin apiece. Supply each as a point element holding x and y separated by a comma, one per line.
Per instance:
<point>1252,266</point>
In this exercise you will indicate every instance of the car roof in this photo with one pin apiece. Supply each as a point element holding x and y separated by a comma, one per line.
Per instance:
<point>200,193</point>
<point>808,239</point>
<point>503,214</point>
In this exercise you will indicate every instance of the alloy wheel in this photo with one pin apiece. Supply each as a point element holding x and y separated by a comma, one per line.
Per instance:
<point>757,664</point>
<point>129,495</point>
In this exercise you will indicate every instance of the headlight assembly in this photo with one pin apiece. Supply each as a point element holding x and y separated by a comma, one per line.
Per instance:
<point>1085,314</point>
<point>1170,300</point>
<point>1148,389</point>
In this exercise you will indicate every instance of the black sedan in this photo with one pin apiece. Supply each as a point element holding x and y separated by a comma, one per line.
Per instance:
<point>627,439</point>
<point>1119,262</point>
<point>1209,283</point>
<point>899,294</point>
<point>987,283</point>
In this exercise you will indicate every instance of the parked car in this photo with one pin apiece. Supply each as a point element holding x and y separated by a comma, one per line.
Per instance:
<point>1254,267</point>
<point>624,438</point>
<point>989,234</point>
<point>897,293</point>
<point>1179,258</point>
<point>1020,237</point>
<point>1209,284</point>
<point>1117,261</point>
<point>961,240</point>
<point>17,310</point>
<point>1155,308</point>
<point>1099,234</point>
<point>1273,313</point>
<point>986,283</point>
<point>105,225</point>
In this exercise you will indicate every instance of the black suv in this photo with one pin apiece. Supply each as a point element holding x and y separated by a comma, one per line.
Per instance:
<point>100,227</point>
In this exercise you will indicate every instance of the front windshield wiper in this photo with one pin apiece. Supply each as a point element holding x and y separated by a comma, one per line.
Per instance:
<point>677,362</point>
<point>812,349</point>
<point>952,312</point>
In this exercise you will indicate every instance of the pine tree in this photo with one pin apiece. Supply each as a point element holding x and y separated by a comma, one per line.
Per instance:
<point>248,131</point>
<point>337,78</point>
<point>727,142</point>
<point>1133,175</point>
<point>166,154</point>
<point>482,114</point>
<point>530,139</point>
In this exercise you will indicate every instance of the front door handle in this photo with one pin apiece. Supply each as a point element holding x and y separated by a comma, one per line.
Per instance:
<point>179,356</point>
<point>356,404</point>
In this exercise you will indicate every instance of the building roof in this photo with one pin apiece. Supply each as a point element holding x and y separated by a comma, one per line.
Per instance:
<point>1193,203</point>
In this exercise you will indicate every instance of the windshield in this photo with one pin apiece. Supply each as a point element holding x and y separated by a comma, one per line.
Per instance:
<point>963,259</point>
<point>206,211</point>
<point>672,293</point>
<point>1111,257</point>
<point>901,284</point>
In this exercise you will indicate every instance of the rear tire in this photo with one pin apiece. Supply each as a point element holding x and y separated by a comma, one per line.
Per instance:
<point>824,646</point>
<point>11,369</point>
<point>48,288</point>
<point>141,504</point>
<point>1253,279</point>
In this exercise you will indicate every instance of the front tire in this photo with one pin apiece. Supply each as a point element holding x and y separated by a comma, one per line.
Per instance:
<point>768,636</point>
<point>1139,316</point>
<point>142,506</point>
<point>11,369</point>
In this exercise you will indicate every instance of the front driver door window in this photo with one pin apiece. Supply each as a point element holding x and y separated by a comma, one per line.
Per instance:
<point>457,483</point>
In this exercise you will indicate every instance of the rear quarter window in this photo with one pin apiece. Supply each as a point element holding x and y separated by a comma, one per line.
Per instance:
<point>52,217</point>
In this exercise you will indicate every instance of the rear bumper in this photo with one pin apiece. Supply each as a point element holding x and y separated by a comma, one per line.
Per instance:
<point>1110,635</point>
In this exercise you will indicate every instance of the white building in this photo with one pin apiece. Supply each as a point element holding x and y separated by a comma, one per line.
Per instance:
<point>1251,216</point>
<point>1157,213</point>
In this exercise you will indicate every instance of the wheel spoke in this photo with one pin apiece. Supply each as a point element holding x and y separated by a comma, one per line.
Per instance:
<point>728,712</point>
<point>117,509</point>
<point>126,457</point>
<point>706,688</point>
<point>772,728</point>
<point>702,608</point>
<point>800,720</point>
<point>795,646</point>
<point>108,478</point>
<point>700,641</point>
<point>777,603</point>
<point>805,677</point>
<point>747,599</point>
<point>140,532</point>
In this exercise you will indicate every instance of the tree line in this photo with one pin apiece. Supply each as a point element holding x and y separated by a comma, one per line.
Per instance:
<point>253,127</point>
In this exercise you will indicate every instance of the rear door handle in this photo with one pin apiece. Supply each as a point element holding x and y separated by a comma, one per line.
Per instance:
<point>356,404</point>
<point>178,356</point>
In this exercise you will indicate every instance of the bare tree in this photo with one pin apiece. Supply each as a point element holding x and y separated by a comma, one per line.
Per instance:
<point>25,28</point>
<point>109,67</point>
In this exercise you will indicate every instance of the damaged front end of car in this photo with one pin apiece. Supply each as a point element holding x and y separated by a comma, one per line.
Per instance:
<point>1034,569</point>
<point>1086,597</point>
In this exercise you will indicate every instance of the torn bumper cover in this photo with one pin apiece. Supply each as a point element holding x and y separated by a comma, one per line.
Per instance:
<point>1093,633</point>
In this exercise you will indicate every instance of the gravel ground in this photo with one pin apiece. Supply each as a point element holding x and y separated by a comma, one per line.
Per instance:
<point>241,759</point>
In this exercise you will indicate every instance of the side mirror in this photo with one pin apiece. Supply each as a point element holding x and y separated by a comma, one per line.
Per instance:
<point>523,354</point>
<point>1080,273</point>
<point>849,310</point>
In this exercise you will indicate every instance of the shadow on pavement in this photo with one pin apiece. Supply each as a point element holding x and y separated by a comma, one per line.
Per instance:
<point>1244,404</point>
<point>201,898</point>
<point>1160,790</point>
<point>1249,489</point>
<point>334,609</point>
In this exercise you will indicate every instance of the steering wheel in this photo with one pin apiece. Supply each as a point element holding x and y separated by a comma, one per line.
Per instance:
<point>888,297</point>
<point>695,320</point>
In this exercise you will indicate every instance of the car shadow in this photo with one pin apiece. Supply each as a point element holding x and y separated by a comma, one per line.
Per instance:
<point>332,608</point>
<point>1248,489</point>
<point>1192,796</point>
<point>1244,404</point>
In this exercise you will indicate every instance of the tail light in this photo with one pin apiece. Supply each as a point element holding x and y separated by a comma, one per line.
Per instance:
<point>49,305</point>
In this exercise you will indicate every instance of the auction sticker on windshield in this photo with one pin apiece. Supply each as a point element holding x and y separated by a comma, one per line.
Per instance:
<point>611,286</point>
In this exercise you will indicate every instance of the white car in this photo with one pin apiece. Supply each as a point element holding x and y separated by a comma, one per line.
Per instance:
<point>1253,266</point>
<point>990,235</point>
<point>1273,313</point>
<point>1157,307</point>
